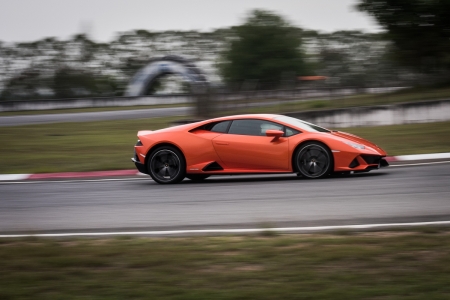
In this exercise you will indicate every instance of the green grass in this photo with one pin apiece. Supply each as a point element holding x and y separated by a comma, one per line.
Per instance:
<point>108,145</point>
<point>377,265</point>
<point>67,147</point>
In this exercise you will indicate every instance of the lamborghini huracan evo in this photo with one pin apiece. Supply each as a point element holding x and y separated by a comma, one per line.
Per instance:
<point>252,144</point>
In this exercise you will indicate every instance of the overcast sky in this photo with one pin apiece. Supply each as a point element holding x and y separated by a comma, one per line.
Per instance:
<point>29,20</point>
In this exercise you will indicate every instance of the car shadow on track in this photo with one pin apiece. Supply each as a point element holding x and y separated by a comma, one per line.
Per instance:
<point>275,178</point>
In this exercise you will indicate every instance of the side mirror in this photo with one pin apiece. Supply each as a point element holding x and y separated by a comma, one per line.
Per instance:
<point>274,133</point>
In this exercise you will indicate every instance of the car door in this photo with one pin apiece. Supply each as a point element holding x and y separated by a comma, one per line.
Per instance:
<point>246,146</point>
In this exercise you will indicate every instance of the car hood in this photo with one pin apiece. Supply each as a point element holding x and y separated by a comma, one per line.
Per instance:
<point>355,138</point>
<point>144,132</point>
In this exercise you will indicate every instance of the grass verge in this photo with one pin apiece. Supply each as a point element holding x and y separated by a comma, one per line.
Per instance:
<point>108,145</point>
<point>70,147</point>
<point>378,265</point>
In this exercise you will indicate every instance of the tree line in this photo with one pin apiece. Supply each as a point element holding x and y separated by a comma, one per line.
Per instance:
<point>265,52</point>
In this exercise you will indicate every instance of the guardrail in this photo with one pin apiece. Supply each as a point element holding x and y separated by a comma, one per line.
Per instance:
<point>220,96</point>
<point>48,104</point>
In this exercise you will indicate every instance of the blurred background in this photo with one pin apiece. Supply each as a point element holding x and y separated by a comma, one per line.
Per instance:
<point>306,49</point>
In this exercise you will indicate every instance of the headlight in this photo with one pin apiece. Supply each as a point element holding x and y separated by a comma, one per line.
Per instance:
<point>354,145</point>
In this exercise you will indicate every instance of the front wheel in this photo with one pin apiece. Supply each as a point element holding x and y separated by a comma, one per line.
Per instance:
<point>167,165</point>
<point>314,160</point>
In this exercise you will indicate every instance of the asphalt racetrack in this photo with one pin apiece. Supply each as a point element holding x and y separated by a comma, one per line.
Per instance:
<point>395,194</point>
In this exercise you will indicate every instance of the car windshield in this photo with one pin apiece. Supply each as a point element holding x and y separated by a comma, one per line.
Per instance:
<point>301,124</point>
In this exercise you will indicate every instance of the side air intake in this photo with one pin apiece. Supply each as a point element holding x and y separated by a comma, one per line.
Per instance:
<point>354,163</point>
<point>371,159</point>
<point>214,166</point>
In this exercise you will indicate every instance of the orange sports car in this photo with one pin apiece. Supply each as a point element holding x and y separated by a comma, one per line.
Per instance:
<point>252,144</point>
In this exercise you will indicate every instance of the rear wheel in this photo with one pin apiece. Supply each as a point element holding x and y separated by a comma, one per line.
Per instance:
<point>167,165</point>
<point>197,177</point>
<point>314,160</point>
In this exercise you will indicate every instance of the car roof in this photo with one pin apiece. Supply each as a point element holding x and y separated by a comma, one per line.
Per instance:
<point>191,126</point>
<point>247,116</point>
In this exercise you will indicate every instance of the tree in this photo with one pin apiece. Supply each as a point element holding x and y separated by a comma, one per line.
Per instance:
<point>72,83</point>
<point>419,29</point>
<point>265,49</point>
<point>351,58</point>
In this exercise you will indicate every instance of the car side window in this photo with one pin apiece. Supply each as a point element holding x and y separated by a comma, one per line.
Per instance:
<point>291,132</point>
<point>253,127</point>
<point>221,127</point>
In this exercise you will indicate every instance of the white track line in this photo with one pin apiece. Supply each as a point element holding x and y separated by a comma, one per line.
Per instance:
<point>423,156</point>
<point>220,231</point>
<point>73,180</point>
<point>419,164</point>
<point>13,176</point>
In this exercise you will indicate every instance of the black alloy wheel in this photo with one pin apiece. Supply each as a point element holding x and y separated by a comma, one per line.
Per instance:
<point>314,160</point>
<point>197,177</point>
<point>167,165</point>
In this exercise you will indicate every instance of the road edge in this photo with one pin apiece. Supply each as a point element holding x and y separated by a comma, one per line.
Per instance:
<point>132,172</point>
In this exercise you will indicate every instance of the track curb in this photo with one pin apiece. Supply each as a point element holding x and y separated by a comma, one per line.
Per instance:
<point>133,172</point>
<point>417,157</point>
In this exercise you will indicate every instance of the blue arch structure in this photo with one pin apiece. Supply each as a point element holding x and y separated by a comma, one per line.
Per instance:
<point>157,67</point>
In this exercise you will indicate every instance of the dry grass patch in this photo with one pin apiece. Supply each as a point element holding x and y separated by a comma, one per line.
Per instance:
<point>375,265</point>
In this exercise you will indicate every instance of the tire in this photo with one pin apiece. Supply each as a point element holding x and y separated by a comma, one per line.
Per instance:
<point>166,165</point>
<point>197,177</point>
<point>314,160</point>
